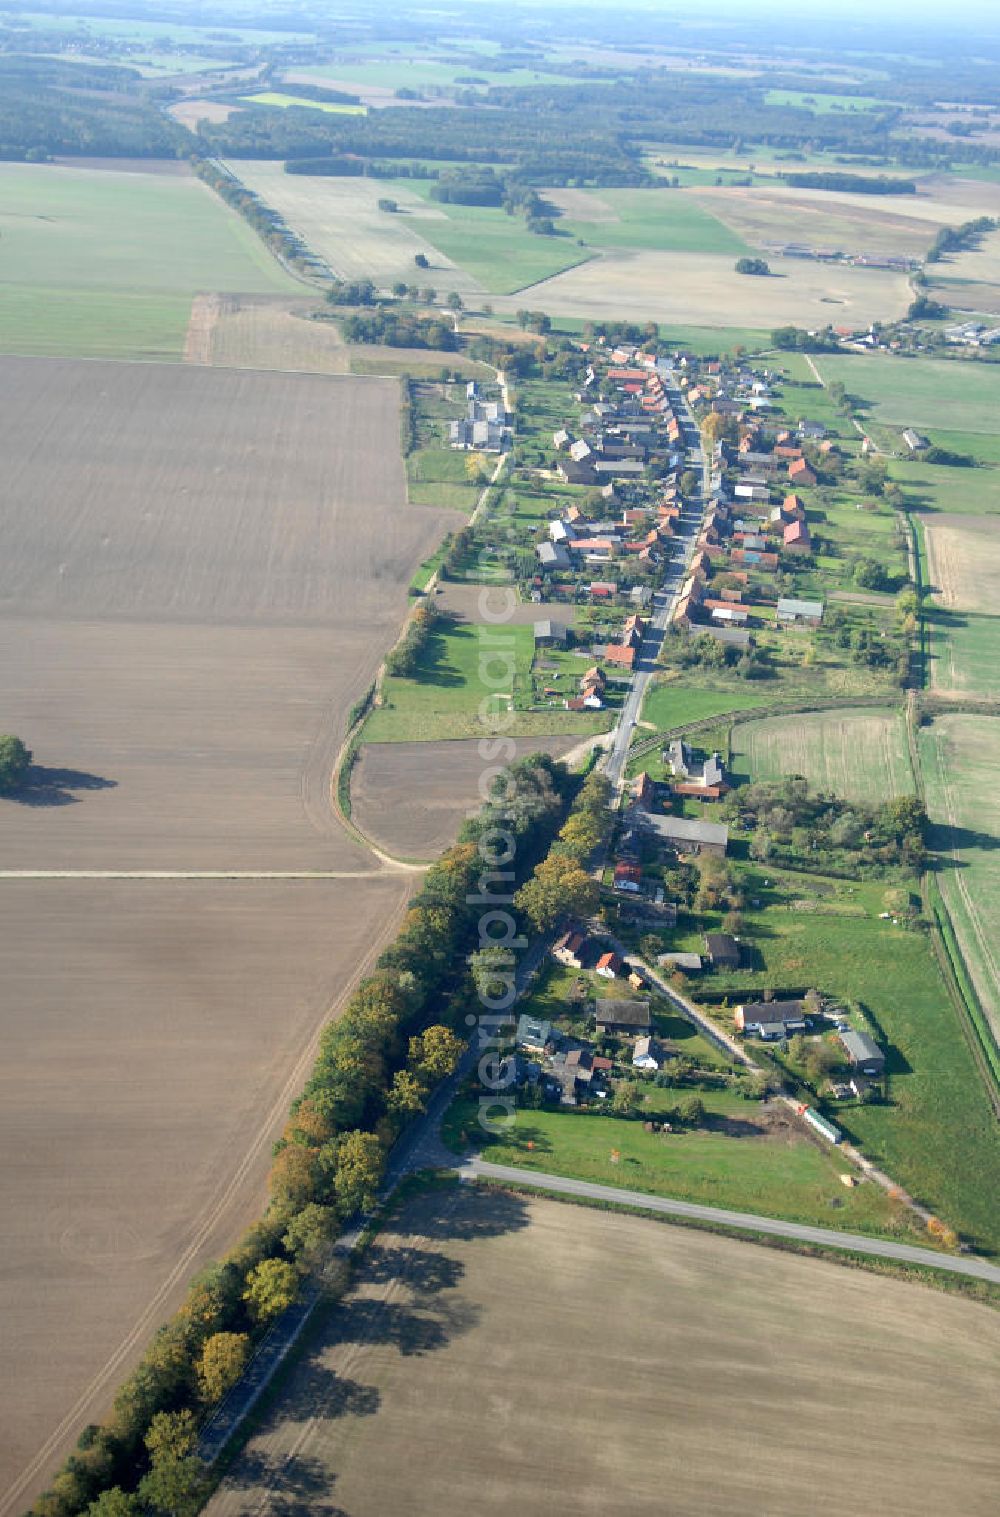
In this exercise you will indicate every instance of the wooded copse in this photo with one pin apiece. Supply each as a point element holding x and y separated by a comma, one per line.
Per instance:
<point>376,1065</point>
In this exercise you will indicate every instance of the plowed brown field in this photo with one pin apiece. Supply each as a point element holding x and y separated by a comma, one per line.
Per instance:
<point>201,571</point>
<point>502,1355</point>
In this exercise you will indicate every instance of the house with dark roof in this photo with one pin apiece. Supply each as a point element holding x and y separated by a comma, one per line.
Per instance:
<point>570,949</point>
<point>533,1033</point>
<point>770,1020</point>
<point>863,1053</point>
<point>623,1016</point>
<point>686,836</point>
<point>723,950</point>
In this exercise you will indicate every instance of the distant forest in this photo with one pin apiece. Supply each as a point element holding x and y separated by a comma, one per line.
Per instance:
<point>591,133</point>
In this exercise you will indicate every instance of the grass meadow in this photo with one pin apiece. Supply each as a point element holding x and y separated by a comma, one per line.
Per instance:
<point>936,1134</point>
<point>958,756</point>
<point>782,1176</point>
<point>671,703</point>
<point>454,675</point>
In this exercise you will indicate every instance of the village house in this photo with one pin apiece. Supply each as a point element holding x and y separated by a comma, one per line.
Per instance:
<point>609,966</point>
<point>796,538</point>
<point>622,1017</point>
<point>621,655</point>
<point>570,949</point>
<point>550,634</point>
<point>628,877</point>
<point>800,472</point>
<point>723,950</point>
<point>553,556</point>
<point>644,1055</point>
<point>863,1053</point>
<point>534,1034</point>
<point>685,836</point>
<point>770,1020</point>
<point>799,613</point>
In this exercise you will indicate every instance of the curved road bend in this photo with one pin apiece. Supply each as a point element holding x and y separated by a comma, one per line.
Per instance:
<point>977,1269</point>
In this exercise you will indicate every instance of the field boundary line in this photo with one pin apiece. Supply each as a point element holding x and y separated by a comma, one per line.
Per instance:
<point>236,875</point>
<point>979,1269</point>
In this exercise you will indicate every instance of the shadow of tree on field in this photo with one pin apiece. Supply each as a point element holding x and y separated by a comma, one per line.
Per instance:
<point>404,1298</point>
<point>43,786</point>
<point>295,1487</point>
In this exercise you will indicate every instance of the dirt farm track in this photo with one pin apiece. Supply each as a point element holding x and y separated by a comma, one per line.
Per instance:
<point>201,571</point>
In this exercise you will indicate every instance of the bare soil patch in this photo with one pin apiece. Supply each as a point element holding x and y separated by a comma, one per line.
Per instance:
<point>704,290</point>
<point>201,327</point>
<point>548,1342</point>
<point>768,216</point>
<point>190,112</point>
<point>411,798</point>
<point>153,1037</point>
<point>583,205</point>
<point>963,561</point>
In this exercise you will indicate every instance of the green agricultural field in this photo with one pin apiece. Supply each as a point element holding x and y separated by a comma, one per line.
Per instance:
<point>334,108</point>
<point>780,1176</point>
<point>656,220</point>
<point>492,247</point>
<point>860,754</point>
<point>921,393</point>
<point>103,264</point>
<point>671,703</point>
<point>933,487</point>
<point>702,340</point>
<point>418,71</point>
<point>937,1134</point>
<point>964,653</point>
<point>463,665</point>
<point>822,105</point>
<point>958,757</point>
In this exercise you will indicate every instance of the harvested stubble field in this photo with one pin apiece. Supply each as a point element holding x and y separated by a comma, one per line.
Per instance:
<point>411,798</point>
<point>958,754</point>
<point>859,754</point>
<point>888,224</point>
<point>703,289</point>
<point>339,220</point>
<point>688,1350</point>
<point>237,332</point>
<point>963,561</point>
<point>202,570</point>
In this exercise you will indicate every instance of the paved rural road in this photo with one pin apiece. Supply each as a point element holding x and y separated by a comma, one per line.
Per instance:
<point>978,1269</point>
<point>663,604</point>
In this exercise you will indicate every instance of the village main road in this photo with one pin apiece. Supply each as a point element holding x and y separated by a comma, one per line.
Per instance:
<point>663,602</point>
<point>976,1269</point>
